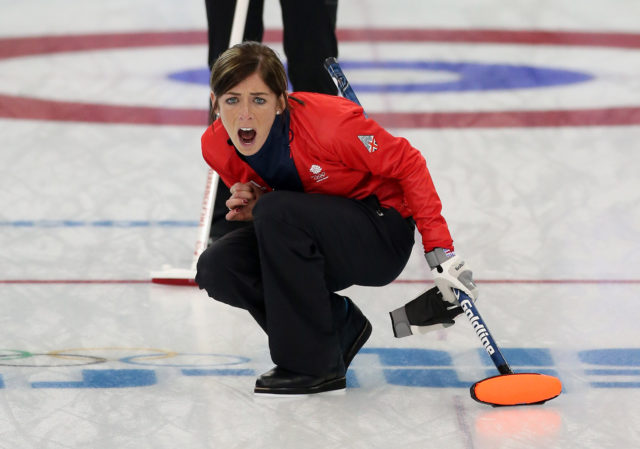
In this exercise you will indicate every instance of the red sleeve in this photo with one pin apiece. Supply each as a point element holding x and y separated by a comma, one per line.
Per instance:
<point>364,145</point>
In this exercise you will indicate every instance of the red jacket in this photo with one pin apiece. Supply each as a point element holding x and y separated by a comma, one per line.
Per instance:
<point>338,151</point>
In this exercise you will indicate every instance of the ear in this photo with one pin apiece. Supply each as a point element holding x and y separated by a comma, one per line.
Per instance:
<point>282,103</point>
<point>214,104</point>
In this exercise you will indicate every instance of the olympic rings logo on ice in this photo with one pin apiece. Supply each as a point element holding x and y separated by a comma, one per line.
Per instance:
<point>134,356</point>
<point>112,367</point>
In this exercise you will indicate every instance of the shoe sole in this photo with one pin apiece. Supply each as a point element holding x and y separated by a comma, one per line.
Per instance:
<point>365,333</point>
<point>333,385</point>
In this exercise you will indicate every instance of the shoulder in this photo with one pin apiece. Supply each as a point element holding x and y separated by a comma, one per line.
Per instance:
<point>214,132</point>
<point>214,136</point>
<point>321,105</point>
<point>213,139</point>
<point>316,114</point>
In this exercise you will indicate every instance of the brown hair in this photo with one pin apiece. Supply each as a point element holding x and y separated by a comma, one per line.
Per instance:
<point>243,60</point>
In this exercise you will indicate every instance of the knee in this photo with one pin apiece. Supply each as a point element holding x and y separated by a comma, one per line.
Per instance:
<point>212,274</point>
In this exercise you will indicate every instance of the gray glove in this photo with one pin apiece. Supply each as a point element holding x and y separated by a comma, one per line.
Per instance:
<point>451,272</point>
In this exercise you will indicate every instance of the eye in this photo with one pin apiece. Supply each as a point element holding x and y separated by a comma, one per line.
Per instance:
<point>231,100</point>
<point>259,100</point>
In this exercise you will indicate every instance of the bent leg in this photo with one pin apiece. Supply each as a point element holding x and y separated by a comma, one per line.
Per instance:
<point>310,246</point>
<point>229,270</point>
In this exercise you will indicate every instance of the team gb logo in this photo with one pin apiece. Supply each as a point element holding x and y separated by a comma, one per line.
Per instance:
<point>317,174</point>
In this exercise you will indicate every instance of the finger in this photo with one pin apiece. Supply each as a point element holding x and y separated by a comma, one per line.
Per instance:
<point>236,203</point>
<point>238,214</point>
<point>243,196</point>
<point>232,214</point>
<point>239,187</point>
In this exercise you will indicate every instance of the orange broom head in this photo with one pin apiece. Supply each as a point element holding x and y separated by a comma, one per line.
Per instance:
<point>516,389</point>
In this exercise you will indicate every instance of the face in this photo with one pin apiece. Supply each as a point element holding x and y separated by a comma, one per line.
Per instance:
<point>247,112</point>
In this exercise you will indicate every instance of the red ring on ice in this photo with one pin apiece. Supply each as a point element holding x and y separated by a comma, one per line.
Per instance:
<point>20,107</point>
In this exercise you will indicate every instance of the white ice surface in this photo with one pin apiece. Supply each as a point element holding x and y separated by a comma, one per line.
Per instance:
<point>134,365</point>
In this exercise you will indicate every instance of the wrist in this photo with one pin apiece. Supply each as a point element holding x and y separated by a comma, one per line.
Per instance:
<point>438,256</point>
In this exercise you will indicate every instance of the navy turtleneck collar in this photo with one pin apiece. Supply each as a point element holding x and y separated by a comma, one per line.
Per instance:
<point>273,162</point>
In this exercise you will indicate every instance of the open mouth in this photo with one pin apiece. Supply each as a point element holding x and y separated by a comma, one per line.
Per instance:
<point>247,135</point>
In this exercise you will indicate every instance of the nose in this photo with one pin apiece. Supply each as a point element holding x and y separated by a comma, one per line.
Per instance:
<point>245,110</point>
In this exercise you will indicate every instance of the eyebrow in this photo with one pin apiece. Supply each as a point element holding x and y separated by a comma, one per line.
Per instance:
<point>237,94</point>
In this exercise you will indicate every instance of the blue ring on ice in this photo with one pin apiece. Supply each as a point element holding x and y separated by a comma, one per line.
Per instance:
<point>470,76</point>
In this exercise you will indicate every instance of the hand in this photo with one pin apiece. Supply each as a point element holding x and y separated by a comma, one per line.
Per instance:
<point>243,199</point>
<point>425,313</point>
<point>449,272</point>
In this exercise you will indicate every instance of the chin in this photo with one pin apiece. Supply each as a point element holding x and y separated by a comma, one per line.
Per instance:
<point>247,150</point>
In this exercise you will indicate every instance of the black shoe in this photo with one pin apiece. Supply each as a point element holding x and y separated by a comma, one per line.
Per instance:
<point>280,381</point>
<point>354,334</point>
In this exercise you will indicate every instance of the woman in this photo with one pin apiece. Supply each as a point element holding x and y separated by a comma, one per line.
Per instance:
<point>331,200</point>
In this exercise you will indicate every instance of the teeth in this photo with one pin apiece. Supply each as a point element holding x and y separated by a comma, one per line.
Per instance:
<point>246,129</point>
